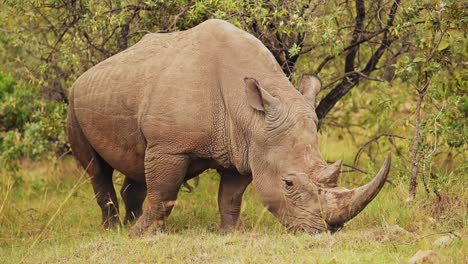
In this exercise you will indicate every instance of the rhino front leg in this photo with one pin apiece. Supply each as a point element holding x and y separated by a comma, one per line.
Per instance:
<point>164,175</point>
<point>231,189</point>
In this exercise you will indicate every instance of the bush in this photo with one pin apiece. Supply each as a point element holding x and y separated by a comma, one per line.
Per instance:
<point>30,126</point>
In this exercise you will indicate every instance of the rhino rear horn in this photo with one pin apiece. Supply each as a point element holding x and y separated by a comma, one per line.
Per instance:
<point>329,176</point>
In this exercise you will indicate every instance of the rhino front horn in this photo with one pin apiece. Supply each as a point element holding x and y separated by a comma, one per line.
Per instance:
<point>346,204</point>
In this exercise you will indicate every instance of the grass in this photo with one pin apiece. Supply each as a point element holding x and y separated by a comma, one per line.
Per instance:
<point>48,215</point>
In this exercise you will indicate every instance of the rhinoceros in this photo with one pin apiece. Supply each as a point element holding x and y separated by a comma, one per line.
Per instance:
<point>176,104</point>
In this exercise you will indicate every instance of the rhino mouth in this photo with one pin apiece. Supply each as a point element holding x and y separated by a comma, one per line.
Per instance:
<point>333,228</point>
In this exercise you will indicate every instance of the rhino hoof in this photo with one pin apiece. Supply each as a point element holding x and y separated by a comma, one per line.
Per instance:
<point>136,232</point>
<point>111,222</point>
<point>227,229</point>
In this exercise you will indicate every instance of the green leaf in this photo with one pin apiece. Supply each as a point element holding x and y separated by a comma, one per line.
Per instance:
<point>294,50</point>
<point>419,59</point>
<point>443,45</point>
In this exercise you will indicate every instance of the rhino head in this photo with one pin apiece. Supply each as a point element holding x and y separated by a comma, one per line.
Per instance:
<point>289,174</point>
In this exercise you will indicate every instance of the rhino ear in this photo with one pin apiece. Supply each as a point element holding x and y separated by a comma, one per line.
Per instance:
<point>257,97</point>
<point>310,87</point>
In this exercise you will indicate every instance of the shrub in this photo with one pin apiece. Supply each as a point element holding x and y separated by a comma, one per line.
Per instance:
<point>30,126</point>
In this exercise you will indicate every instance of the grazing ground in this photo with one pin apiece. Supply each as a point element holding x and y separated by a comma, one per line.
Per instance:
<point>48,215</point>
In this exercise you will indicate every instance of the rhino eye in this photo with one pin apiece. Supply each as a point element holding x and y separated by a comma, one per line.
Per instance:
<point>288,183</point>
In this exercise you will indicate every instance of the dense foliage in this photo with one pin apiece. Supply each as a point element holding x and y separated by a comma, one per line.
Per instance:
<point>29,126</point>
<point>374,58</point>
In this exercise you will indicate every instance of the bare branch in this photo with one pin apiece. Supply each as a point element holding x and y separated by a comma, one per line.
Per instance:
<point>331,57</point>
<point>361,149</point>
<point>369,78</point>
<point>386,41</point>
<point>414,152</point>
<point>349,74</point>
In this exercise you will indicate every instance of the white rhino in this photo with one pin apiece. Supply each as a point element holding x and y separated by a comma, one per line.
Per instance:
<point>176,104</point>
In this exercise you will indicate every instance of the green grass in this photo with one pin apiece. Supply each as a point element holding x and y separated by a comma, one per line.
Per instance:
<point>49,215</point>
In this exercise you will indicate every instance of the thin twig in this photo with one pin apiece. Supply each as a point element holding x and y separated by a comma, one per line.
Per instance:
<point>349,74</point>
<point>419,238</point>
<point>354,168</point>
<point>361,149</point>
<point>365,76</point>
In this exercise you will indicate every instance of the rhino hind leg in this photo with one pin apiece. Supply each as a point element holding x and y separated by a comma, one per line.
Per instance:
<point>164,175</point>
<point>133,194</point>
<point>104,191</point>
<point>231,190</point>
<point>195,168</point>
<point>98,169</point>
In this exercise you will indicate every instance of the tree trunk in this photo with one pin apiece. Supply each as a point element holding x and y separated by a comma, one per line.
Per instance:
<point>353,77</point>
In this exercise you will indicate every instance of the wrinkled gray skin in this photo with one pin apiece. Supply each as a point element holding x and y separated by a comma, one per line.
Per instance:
<point>173,105</point>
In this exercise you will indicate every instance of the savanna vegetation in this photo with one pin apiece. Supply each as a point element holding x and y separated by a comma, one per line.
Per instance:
<point>394,79</point>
